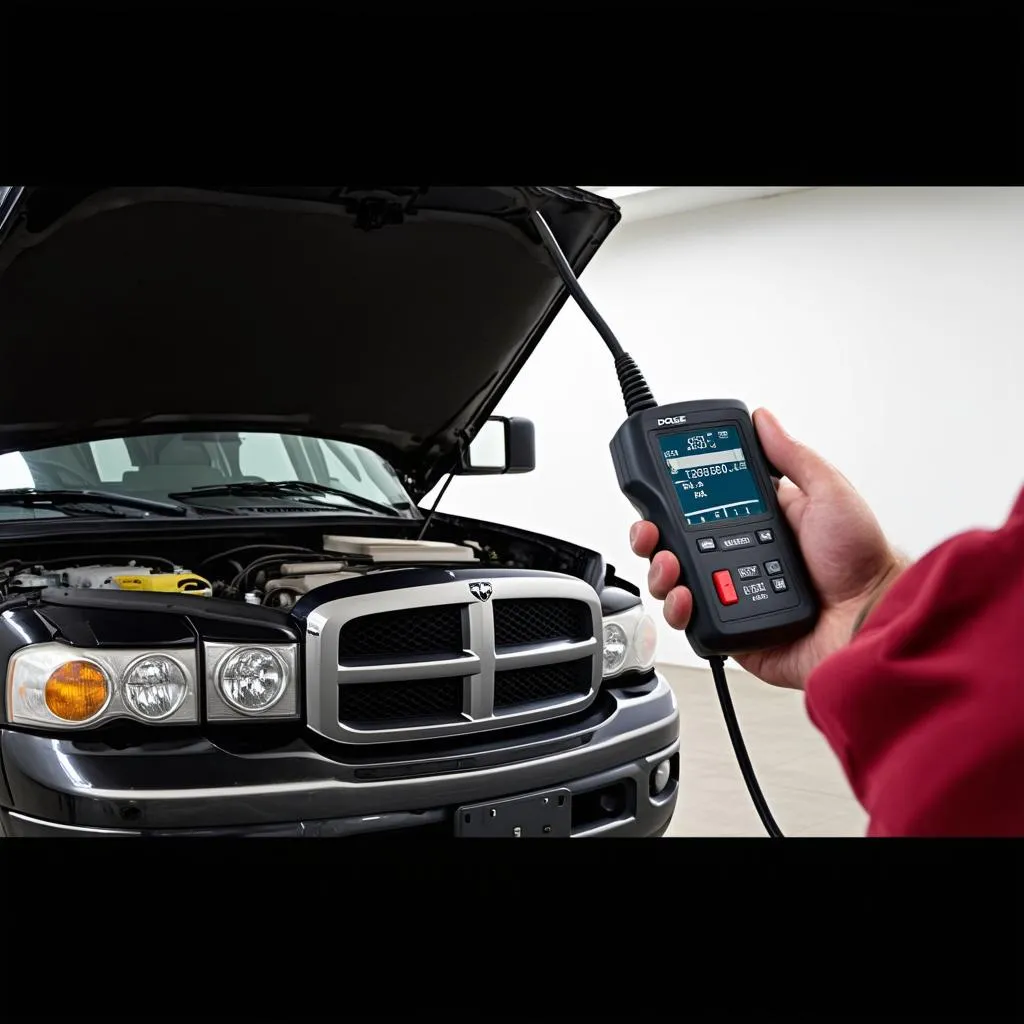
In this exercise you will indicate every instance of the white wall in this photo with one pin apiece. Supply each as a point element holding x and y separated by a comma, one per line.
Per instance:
<point>885,327</point>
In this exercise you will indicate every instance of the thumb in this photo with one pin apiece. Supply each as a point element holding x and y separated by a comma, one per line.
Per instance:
<point>806,468</point>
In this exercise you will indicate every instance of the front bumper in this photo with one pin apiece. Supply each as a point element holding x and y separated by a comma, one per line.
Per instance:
<point>64,787</point>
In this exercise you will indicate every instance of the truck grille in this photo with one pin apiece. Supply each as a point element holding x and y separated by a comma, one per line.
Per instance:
<point>411,631</point>
<point>547,618</point>
<point>369,704</point>
<point>446,660</point>
<point>546,682</point>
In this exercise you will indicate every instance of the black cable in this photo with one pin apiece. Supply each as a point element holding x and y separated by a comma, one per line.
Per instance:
<point>254,547</point>
<point>637,396</point>
<point>240,580</point>
<point>567,275</point>
<point>740,749</point>
<point>635,392</point>
<point>433,508</point>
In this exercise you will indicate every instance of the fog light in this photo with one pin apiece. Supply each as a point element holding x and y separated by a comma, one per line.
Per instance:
<point>660,777</point>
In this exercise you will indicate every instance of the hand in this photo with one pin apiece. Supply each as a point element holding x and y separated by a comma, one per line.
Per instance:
<point>848,557</point>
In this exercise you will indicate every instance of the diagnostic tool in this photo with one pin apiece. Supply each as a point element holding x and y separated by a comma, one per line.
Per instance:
<point>697,471</point>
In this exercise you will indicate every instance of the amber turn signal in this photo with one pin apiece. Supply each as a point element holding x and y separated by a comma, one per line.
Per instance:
<point>76,691</point>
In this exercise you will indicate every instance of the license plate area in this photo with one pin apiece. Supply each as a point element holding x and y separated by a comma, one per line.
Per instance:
<point>546,815</point>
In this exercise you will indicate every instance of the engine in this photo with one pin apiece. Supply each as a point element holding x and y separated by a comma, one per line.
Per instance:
<point>277,579</point>
<point>113,577</point>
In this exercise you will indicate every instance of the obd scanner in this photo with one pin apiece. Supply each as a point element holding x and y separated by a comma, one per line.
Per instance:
<point>698,472</point>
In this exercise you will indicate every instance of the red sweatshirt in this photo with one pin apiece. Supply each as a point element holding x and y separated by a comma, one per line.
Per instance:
<point>925,707</point>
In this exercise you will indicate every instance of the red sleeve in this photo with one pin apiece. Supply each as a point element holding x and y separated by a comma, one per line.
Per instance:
<point>925,707</point>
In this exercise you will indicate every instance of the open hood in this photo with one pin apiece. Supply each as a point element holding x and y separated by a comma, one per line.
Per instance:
<point>391,316</point>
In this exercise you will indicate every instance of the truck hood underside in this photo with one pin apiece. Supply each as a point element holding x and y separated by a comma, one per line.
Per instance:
<point>394,317</point>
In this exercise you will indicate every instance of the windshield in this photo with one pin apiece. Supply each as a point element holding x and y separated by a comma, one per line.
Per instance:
<point>162,465</point>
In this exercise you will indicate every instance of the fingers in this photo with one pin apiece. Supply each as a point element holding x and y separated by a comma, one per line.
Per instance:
<point>805,467</point>
<point>678,607</point>
<point>663,577</point>
<point>663,574</point>
<point>787,493</point>
<point>643,537</point>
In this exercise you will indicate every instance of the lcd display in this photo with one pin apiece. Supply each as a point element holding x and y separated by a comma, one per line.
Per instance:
<point>709,473</point>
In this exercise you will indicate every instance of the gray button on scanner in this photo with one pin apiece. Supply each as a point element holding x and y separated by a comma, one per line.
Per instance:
<point>743,540</point>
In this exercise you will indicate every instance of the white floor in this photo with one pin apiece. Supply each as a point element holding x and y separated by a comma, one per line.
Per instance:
<point>799,775</point>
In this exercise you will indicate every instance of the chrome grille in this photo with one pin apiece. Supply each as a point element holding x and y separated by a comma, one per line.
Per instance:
<point>438,660</point>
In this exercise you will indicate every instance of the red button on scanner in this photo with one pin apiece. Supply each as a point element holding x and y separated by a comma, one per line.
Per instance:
<point>723,584</point>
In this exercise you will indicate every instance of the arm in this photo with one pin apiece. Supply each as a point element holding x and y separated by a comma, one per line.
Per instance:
<point>878,592</point>
<point>925,706</point>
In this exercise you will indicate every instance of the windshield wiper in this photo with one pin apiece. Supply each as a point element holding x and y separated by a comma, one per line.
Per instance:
<point>288,488</point>
<point>30,496</point>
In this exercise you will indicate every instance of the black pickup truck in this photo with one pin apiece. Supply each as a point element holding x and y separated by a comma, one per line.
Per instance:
<point>223,610</point>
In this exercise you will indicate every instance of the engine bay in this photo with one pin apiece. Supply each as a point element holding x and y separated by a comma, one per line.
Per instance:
<point>275,579</point>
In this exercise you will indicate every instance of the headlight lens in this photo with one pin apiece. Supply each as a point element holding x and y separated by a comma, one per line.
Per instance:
<point>252,679</point>
<point>616,647</point>
<point>630,642</point>
<point>154,687</point>
<point>56,686</point>
<point>645,642</point>
<point>246,683</point>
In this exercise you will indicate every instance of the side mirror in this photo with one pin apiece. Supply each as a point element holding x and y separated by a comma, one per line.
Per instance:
<point>504,444</point>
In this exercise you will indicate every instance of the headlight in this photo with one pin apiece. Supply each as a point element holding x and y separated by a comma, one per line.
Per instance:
<point>252,679</point>
<point>616,647</point>
<point>61,687</point>
<point>630,642</point>
<point>154,687</point>
<point>245,682</point>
